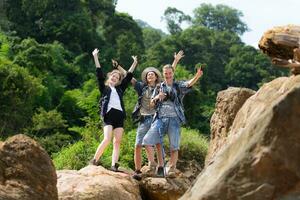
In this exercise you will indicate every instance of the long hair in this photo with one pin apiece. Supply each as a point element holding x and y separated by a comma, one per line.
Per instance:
<point>113,72</point>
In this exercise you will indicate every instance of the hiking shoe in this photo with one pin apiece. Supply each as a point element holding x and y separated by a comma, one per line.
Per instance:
<point>94,162</point>
<point>160,172</point>
<point>115,167</point>
<point>152,167</point>
<point>137,175</point>
<point>171,172</point>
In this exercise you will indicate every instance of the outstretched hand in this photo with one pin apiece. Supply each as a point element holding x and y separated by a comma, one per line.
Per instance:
<point>134,59</point>
<point>179,55</point>
<point>199,72</point>
<point>95,52</point>
<point>114,63</point>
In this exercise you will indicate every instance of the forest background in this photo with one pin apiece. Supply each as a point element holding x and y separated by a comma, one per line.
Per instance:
<point>48,88</point>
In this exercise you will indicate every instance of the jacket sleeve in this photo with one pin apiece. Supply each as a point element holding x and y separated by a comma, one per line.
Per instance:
<point>100,79</point>
<point>125,82</point>
<point>139,87</point>
<point>183,87</point>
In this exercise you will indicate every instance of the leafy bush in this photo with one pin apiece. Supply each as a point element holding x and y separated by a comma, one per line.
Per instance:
<point>193,146</point>
<point>54,143</point>
<point>75,156</point>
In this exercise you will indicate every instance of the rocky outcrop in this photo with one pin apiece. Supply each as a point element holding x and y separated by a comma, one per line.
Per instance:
<point>228,103</point>
<point>95,182</point>
<point>26,171</point>
<point>261,158</point>
<point>164,188</point>
<point>281,44</point>
<point>170,188</point>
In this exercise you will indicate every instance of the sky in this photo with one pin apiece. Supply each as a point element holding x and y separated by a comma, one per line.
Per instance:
<point>259,15</point>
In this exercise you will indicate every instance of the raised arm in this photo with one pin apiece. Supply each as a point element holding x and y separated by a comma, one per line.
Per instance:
<point>122,70</point>
<point>95,55</point>
<point>99,72</point>
<point>134,64</point>
<point>177,57</point>
<point>196,77</point>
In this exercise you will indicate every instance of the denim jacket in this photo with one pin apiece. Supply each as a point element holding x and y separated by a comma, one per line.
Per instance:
<point>106,91</point>
<point>179,89</point>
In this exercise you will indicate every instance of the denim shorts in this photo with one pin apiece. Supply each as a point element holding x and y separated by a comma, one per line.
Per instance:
<point>162,126</point>
<point>143,127</point>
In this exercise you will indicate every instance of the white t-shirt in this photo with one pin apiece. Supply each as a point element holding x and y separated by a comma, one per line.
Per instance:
<point>114,101</point>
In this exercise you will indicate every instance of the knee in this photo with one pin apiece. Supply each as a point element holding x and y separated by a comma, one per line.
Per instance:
<point>106,140</point>
<point>117,141</point>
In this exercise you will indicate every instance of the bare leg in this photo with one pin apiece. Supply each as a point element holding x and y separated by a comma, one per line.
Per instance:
<point>118,132</point>
<point>160,159</point>
<point>107,132</point>
<point>138,157</point>
<point>150,154</point>
<point>174,158</point>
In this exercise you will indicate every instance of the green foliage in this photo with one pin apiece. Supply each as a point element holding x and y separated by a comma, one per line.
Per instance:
<point>130,99</point>
<point>46,123</point>
<point>193,146</point>
<point>220,18</point>
<point>4,46</point>
<point>174,18</point>
<point>50,63</point>
<point>70,109</point>
<point>54,143</point>
<point>18,90</point>
<point>125,37</point>
<point>151,37</point>
<point>43,21</point>
<point>88,98</point>
<point>249,68</point>
<point>75,156</point>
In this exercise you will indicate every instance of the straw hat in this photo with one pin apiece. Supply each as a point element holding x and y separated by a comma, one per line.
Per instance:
<point>151,69</point>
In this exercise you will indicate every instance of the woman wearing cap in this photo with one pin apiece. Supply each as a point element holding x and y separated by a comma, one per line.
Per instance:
<point>144,111</point>
<point>112,108</point>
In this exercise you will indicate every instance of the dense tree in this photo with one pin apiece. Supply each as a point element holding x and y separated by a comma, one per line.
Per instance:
<point>249,68</point>
<point>70,22</point>
<point>46,122</point>
<point>174,19</point>
<point>125,38</point>
<point>220,18</point>
<point>152,36</point>
<point>18,90</point>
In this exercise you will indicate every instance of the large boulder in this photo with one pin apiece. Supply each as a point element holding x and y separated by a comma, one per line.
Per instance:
<point>281,44</point>
<point>96,183</point>
<point>26,171</point>
<point>280,41</point>
<point>261,158</point>
<point>228,103</point>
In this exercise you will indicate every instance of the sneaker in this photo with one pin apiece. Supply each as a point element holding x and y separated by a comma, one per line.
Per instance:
<point>115,167</point>
<point>160,172</point>
<point>171,172</point>
<point>94,162</point>
<point>137,175</point>
<point>152,168</point>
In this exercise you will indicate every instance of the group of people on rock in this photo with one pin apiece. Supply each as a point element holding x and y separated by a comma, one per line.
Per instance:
<point>158,111</point>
